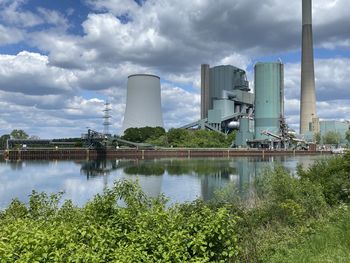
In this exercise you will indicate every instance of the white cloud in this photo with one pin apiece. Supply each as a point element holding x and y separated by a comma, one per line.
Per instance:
<point>167,38</point>
<point>53,17</point>
<point>10,35</point>
<point>12,14</point>
<point>30,73</point>
<point>179,106</point>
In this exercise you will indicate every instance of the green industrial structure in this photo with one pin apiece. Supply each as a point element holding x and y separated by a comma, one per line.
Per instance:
<point>338,127</point>
<point>228,104</point>
<point>225,99</point>
<point>267,128</point>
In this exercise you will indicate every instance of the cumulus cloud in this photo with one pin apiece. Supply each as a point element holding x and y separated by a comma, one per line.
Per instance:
<point>179,106</point>
<point>167,38</point>
<point>30,73</point>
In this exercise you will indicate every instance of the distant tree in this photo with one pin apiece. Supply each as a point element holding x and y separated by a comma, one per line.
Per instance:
<point>142,134</point>
<point>317,138</point>
<point>176,137</point>
<point>19,134</point>
<point>3,140</point>
<point>347,135</point>
<point>331,138</point>
<point>132,134</point>
<point>199,138</point>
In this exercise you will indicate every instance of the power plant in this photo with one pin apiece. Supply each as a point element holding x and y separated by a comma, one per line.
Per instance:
<point>143,102</point>
<point>228,104</point>
<point>308,117</point>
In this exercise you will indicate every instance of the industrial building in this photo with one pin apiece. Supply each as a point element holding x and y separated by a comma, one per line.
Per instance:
<point>143,102</point>
<point>228,104</point>
<point>225,98</point>
<point>337,127</point>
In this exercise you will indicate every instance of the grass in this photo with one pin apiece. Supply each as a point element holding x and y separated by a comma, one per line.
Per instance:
<point>330,243</point>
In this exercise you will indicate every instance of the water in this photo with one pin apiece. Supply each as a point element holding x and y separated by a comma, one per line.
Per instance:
<point>179,179</point>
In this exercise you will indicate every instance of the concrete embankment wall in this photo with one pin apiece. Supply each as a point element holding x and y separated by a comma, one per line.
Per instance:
<point>81,153</point>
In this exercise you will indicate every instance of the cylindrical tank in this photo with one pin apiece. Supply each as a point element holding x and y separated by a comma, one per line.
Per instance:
<point>143,102</point>
<point>269,93</point>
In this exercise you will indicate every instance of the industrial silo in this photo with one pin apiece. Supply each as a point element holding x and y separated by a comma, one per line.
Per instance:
<point>143,102</point>
<point>269,99</point>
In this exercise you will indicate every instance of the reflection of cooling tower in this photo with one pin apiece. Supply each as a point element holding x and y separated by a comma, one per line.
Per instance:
<point>150,185</point>
<point>308,97</point>
<point>143,103</point>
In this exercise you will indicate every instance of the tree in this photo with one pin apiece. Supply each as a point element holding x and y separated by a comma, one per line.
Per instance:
<point>142,134</point>
<point>347,135</point>
<point>3,140</point>
<point>331,138</point>
<point>19,134</point>
<point>317,138</point>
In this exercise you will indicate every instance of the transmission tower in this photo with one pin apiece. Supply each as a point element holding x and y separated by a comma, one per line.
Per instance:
<point>106,117</point>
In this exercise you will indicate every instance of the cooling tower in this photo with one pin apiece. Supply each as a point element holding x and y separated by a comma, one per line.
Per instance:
<point>269,93</point>
<point>143,102</point>
<point>308,96</point>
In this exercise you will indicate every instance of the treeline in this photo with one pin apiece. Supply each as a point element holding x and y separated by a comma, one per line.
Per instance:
<point>15,134</point>
<point>332,137</point>
<point>286,219</point>
<point>179,137</point>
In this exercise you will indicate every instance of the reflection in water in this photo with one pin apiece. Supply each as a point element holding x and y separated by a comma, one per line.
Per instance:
<point>179,179</point>
<point>210,173</point>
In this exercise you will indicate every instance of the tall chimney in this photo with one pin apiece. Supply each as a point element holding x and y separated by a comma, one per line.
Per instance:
<point>308,96</point>
<point>204,90</point>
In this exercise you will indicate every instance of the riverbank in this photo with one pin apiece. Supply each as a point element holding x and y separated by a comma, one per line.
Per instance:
<point>82,153</point>
<point>288,219</point>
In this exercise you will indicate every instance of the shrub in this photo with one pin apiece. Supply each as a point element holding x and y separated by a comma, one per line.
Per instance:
<point>120,225</point>
<point>333,176</point>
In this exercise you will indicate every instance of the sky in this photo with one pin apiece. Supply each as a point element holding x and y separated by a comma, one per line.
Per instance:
<point>60,60</point>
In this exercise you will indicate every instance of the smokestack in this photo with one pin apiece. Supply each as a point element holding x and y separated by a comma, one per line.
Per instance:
<point>308,96</point>
<point>204,90</point>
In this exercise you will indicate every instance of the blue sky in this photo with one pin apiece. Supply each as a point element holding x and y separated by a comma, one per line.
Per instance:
<point>59,60</point>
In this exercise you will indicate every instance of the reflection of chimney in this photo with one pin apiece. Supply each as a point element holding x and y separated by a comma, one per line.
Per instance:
<point>308,96</point>
<point>204,91</point>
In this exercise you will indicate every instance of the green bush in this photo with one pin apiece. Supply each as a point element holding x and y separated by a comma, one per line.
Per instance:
<point>142,134</point>
<point>333,176</point>
<point>120,225</point>
<point>287,199</point>
<point>199,138</point>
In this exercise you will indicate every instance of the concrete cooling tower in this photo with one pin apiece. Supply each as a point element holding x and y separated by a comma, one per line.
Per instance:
<point>143,102</point>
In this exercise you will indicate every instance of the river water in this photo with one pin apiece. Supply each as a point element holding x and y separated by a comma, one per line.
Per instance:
<point>179,179</point>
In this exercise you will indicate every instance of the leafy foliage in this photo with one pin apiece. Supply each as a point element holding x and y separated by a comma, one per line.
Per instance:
<point>333,176</point>
<point>120,225</point>
<point>142,134</point>
<point>332,138</point>
<point>199,138</point>
<point>347,135</point>
<point>290,210</point>
<point>3,140</point>
<point>285,215</point>
<point>19,134</point>
<point>179,137</point>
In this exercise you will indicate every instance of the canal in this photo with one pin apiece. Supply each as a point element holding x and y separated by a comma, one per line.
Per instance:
<point>180,180</point>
